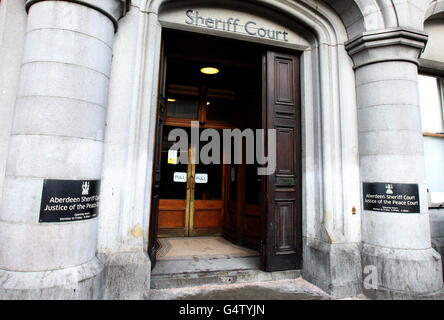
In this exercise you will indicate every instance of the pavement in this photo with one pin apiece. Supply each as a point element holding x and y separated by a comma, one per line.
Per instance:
<point>293,289</point>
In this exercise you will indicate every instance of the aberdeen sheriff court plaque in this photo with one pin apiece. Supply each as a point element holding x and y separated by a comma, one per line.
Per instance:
<point>69,200</point>
<point>391,197</point>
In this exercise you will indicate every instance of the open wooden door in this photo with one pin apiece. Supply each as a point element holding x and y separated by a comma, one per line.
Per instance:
<point>282,239</point>
<point>155,188</point>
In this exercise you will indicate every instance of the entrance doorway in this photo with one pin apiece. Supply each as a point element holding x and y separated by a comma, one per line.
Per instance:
<point>198,199</point>
<point>253,88</point>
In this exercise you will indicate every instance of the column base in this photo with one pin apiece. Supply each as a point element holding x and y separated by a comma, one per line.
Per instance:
<point>127,275</point>
<point>403,274</point>
<point>335,268</point>
<point>84,282</point>
<point>438,245</point>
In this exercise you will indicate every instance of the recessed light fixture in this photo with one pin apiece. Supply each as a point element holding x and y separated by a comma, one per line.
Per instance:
<point>209,70</point>
<point>171,100</point>
<point>208,103</point>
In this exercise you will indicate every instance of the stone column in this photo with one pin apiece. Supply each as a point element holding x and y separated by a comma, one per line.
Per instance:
<point>57,133</point>
<point>391,151</point>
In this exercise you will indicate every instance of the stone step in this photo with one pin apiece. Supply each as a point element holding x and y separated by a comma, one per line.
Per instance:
<point>182,280</point>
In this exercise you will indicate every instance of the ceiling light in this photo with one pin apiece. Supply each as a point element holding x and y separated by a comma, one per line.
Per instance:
<point>209,70</point>
<point>208,103</point>
<point>171,100</point>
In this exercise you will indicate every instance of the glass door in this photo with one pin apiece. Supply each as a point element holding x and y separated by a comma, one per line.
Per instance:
<point>191,195</point>
<point>174,192</point>
<point>207,205</point>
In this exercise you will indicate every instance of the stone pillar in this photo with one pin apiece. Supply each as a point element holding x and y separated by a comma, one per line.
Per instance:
<point>391,151</point>
<point>57,133</point>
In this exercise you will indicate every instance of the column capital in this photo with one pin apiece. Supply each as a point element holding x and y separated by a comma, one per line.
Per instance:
<point>113,9</point>
<point>387,45</point>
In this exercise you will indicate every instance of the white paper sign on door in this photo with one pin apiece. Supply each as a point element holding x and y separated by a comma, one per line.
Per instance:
<point>201,178</point>
<point>180,177</point>
<point>172,156</point>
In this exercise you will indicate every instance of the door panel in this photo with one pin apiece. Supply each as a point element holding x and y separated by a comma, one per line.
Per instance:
<point>282,238</point>
<point>172,218</point>
<point>285,140</point>
<point>208,217</point>
<point>285,241</point>
<point>174,185</point>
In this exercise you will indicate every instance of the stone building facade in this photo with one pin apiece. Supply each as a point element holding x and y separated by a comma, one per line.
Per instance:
<point>79,92</point>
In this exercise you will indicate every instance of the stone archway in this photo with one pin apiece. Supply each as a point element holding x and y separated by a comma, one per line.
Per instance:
<point>328,102</point>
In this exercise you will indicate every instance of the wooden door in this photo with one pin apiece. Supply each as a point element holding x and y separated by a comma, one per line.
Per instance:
<point>155,186</point>
<point>283,239</point>
<point>192,206</point>
<point>176,185</point>
<point>205,207</point>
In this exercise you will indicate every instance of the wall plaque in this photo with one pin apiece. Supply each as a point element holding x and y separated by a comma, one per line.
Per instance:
<point>391,197</point>
<point>69,200</point>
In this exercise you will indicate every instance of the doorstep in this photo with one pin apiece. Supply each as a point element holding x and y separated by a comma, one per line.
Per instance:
<point>295,289</point>
<point>193,279</point>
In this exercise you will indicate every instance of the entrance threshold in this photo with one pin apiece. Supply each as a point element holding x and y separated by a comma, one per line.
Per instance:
<point>199,261</point>
<point>185,280</point>
<point>203,254</point>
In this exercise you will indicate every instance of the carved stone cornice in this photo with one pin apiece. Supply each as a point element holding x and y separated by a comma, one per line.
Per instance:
<point>387,45</point>
<point>113,9</point>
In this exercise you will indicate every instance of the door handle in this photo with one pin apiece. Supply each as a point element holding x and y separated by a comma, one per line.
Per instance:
<point>190,181</point>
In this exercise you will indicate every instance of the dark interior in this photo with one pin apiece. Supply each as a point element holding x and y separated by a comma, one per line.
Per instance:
<point>233,99</point>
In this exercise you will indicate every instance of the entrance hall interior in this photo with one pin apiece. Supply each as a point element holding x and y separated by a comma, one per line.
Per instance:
<point>209,215</point>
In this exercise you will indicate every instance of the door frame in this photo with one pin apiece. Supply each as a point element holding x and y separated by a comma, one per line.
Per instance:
<point>266,202</point>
